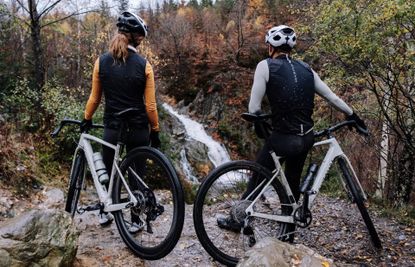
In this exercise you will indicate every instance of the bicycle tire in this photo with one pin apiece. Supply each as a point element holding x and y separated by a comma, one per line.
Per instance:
<point>359,200</point>
<point>158,173</point>
<point>227,183</point>
<point>75,183</point>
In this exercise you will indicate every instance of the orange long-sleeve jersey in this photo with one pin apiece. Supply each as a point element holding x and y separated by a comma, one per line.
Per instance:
<point>149,96</point>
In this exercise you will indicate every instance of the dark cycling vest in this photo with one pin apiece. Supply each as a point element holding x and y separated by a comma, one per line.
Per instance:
<point>123,85</point>
<point>290,91</point>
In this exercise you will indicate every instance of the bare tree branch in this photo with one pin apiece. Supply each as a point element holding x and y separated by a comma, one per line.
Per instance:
<point>49,8</point>
<point>66,17</point>
<point>22,5</point>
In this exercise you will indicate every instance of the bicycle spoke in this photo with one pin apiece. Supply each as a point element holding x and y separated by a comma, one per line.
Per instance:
<point>220,196</point>
<point>160,207</point>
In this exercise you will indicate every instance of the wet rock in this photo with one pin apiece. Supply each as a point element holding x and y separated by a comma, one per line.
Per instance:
<point>38,238</point>
<point>272,252</point>
<point>209,106</point>
<point>173,127</point>
<point>196,153</point>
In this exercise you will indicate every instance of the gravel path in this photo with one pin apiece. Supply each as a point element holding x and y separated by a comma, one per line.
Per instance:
<point>336,232</point>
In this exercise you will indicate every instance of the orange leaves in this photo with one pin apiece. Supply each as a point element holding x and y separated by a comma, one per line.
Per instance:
<point>234,101</point>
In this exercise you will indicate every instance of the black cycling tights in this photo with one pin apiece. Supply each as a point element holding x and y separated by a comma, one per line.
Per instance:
<point>133,138</point>
<point>293,149</point>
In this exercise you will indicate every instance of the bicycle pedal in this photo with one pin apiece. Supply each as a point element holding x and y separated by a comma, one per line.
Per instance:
<point>91,207</point>
<point>80,211</point>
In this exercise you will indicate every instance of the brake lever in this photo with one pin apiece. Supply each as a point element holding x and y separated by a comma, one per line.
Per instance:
<point>362,131</point>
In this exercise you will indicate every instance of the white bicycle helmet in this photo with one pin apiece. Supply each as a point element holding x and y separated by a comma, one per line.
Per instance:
<point>129,22</point>
<point>281,35</point>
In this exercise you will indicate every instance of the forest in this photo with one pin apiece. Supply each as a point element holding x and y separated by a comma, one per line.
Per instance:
<point>363,49</point>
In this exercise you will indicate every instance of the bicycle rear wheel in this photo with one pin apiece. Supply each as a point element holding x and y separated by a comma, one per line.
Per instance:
<point>358,198</point>
<point>75,182</point>
<point>220,196</point>
<point>154,182</point>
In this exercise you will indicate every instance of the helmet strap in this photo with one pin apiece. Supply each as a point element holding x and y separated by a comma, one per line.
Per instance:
<point>131,39</point>
<point>274,50</point>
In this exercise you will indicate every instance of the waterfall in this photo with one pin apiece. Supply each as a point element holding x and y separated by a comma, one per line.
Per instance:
<point>216,151</point>
<point>187,169</point>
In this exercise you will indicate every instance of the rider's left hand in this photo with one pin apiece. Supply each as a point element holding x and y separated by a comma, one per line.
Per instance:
<point>359,122</point>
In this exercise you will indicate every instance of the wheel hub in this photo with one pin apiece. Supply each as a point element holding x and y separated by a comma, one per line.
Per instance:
<point>238,210</point>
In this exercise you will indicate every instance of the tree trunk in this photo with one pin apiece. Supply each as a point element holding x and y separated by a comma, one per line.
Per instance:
<point>383,161</point>
<point>384,151</point>
<point>403,172</point>
<point>38,67</point>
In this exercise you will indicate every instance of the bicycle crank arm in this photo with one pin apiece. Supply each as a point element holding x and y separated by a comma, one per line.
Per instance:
<point>97,206</point>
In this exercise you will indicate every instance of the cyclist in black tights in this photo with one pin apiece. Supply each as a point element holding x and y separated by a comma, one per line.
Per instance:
<point>126,79</point>
<point>290,86</point>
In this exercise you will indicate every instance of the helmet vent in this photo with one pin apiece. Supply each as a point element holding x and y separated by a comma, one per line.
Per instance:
<point>287,31</point>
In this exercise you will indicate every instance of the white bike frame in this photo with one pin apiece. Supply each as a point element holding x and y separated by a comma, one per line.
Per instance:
<point>84,144</point>
<point>333,152</point>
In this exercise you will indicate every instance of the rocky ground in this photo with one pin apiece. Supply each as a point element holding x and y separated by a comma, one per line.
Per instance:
<point>336,232</point>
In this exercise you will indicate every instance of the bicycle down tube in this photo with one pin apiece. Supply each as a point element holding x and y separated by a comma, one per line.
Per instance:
<point>104,197</point>
<point>332,153</point>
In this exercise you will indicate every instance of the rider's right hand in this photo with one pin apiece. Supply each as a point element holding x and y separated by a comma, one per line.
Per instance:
<point>360,124</point>
<point>85,125</point>
<point>154,139</point>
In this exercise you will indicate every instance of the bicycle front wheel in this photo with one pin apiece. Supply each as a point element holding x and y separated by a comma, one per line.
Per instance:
<point>76,179</point>
<point>151,228</point>
<point>220,196</point>
<point>358,198</point>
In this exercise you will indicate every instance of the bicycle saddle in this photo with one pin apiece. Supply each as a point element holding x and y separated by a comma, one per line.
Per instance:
<point>126,113</point>
<point>251,117</point>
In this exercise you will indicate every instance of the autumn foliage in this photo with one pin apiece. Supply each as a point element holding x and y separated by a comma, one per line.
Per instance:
<point>204,54</point>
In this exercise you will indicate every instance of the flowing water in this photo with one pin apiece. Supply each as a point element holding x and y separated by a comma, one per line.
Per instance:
<point>216,152</point>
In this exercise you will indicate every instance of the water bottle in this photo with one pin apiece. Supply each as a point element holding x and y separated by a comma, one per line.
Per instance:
<point>100,168</point>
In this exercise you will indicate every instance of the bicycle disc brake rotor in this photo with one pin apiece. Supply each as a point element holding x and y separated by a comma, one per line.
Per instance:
<point>153,209</point>
<point>139,208</point>
<point>238,210</point>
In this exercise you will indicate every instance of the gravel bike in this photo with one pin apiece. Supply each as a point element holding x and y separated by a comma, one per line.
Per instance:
<point>271,209</point>
<point>143,188</point>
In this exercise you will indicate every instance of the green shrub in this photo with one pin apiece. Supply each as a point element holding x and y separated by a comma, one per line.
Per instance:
<point>60,102</point>
<point>19,104</point>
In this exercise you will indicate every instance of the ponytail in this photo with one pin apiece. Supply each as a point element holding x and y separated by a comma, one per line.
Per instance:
<point>119,47</point>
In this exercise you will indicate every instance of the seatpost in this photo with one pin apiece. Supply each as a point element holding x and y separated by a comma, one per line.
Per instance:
<point>121,135</point>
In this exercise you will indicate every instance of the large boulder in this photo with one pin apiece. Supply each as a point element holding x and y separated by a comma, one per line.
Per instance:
<point>38,238</point>
<point>272,252</point>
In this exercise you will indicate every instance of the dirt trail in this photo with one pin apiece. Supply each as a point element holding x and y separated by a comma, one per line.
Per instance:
<point>337,232</point>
